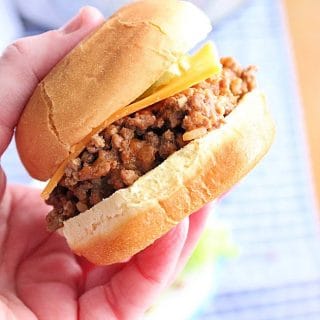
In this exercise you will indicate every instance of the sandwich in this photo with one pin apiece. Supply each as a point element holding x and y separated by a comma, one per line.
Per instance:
<point>133,134</point>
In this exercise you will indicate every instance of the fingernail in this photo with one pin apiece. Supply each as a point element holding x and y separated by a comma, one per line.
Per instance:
<point>73,24</point>
<point>78,21</point>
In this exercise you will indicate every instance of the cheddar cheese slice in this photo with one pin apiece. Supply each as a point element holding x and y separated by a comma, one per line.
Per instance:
<point>202,65</point>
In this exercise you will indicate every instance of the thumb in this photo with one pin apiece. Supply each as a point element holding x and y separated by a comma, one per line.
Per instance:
<point>25,62</point>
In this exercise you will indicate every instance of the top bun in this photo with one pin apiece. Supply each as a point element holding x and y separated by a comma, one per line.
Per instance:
<point>104,73</point>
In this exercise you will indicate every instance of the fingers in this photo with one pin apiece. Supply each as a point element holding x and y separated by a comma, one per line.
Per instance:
<point>38,264</point>
<point>115,295</point>
<point>197,222</point>
<point>47,281</point>
<point>133,289</point>
<point>28,60</point>
<point>99,275</point>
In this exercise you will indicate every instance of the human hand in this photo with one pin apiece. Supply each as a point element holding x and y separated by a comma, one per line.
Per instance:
<point>40,278</point>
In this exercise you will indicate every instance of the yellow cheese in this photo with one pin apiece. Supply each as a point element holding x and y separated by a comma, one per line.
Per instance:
<point>202,65</point>
<point>175,70</point>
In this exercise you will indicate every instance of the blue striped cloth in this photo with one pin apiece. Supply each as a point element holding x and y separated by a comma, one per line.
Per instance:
<point>272,212</point>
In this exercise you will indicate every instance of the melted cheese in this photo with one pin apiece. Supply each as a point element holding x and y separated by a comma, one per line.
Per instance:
<point>202,65</point>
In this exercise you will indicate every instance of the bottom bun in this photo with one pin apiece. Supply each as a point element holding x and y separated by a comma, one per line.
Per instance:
<point>133,218</point>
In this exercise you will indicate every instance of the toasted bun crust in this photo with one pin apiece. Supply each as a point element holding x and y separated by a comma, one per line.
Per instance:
<point>133,218</point>
<point>104,73</point>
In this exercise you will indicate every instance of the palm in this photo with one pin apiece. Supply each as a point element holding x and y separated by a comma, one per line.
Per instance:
<point>38,273</point>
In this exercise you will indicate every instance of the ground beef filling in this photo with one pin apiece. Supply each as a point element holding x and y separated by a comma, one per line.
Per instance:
<point>132,146</point>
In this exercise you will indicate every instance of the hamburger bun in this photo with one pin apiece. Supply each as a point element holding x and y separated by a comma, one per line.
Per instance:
<point>102,75</point>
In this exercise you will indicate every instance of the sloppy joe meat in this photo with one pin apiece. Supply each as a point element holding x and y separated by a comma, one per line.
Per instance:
<point>127,149</point>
